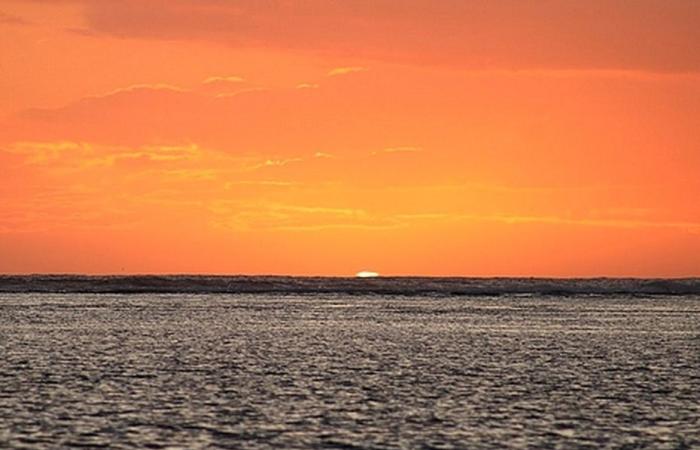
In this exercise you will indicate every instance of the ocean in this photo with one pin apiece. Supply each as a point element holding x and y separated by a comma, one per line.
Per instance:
<point>279,362</point>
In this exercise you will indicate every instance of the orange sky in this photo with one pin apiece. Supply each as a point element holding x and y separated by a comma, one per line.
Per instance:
<point>499,137</point>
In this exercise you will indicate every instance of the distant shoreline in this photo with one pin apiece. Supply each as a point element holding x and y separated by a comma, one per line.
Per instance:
<point>407,286</point>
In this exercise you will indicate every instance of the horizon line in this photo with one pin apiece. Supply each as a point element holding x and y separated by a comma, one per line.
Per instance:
<point>351,276</point>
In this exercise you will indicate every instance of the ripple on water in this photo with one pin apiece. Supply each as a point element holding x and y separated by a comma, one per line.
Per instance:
<point>348,372</point>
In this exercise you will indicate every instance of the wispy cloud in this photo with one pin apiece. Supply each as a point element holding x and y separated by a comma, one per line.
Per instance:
<point>516,219</point>
<point>70,206</point>
<point>82,155</point>
<point>336,226</point>
<point>266,216</point>
<point>274,183</point>
<point>404,149</point>
<point>346,70</point>
<point>192,174</point>
<point>241,91</point>
<point>354,212</point>
<point>142,87</point>
<point>43,153</point>
<point>11,19</point>
<point>280,162</point>
<point>224,79</point>
<point>637,75</point>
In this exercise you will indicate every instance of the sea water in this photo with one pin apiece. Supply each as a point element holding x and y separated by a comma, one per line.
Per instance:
<point>343,370</point>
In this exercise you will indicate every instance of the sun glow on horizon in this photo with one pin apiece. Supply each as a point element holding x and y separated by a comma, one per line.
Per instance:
<point>366,274</point>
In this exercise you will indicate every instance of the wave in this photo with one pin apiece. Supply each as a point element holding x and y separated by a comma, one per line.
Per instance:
<point>194,284</point>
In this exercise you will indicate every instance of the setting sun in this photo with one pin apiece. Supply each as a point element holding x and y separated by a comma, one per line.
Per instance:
<point>366,274</point>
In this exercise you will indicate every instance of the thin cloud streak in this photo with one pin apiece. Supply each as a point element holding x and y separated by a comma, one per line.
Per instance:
<point>338,71</point>
<point>554,220</point>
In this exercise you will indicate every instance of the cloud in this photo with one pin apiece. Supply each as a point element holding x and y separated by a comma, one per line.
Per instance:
<point>266,216</point>
<point>405,149</point>
<point>645,35</point>
<point>345,71</point>
<point>70,205</point>
<point>241,91</point>
<point>45,153</point>
<point>227,79</point>
<point>11,19</point>
<point>272,183</point>
<point>515,219</point>
<point>142,87</point>
<point>192,174</point>
<point>250,121</point>
<point>227,86</point>
<point>80,154</point>
<point>249,216</point>
<point>451,130</point>
<point>275,163</point>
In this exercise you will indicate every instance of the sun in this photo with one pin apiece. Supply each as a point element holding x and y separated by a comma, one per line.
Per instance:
<point>366,274</point>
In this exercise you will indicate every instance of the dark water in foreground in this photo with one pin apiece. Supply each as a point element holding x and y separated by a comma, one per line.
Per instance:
<point>348,371</point>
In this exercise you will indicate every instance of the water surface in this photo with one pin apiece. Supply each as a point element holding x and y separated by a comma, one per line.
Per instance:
<point>348,371</point>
